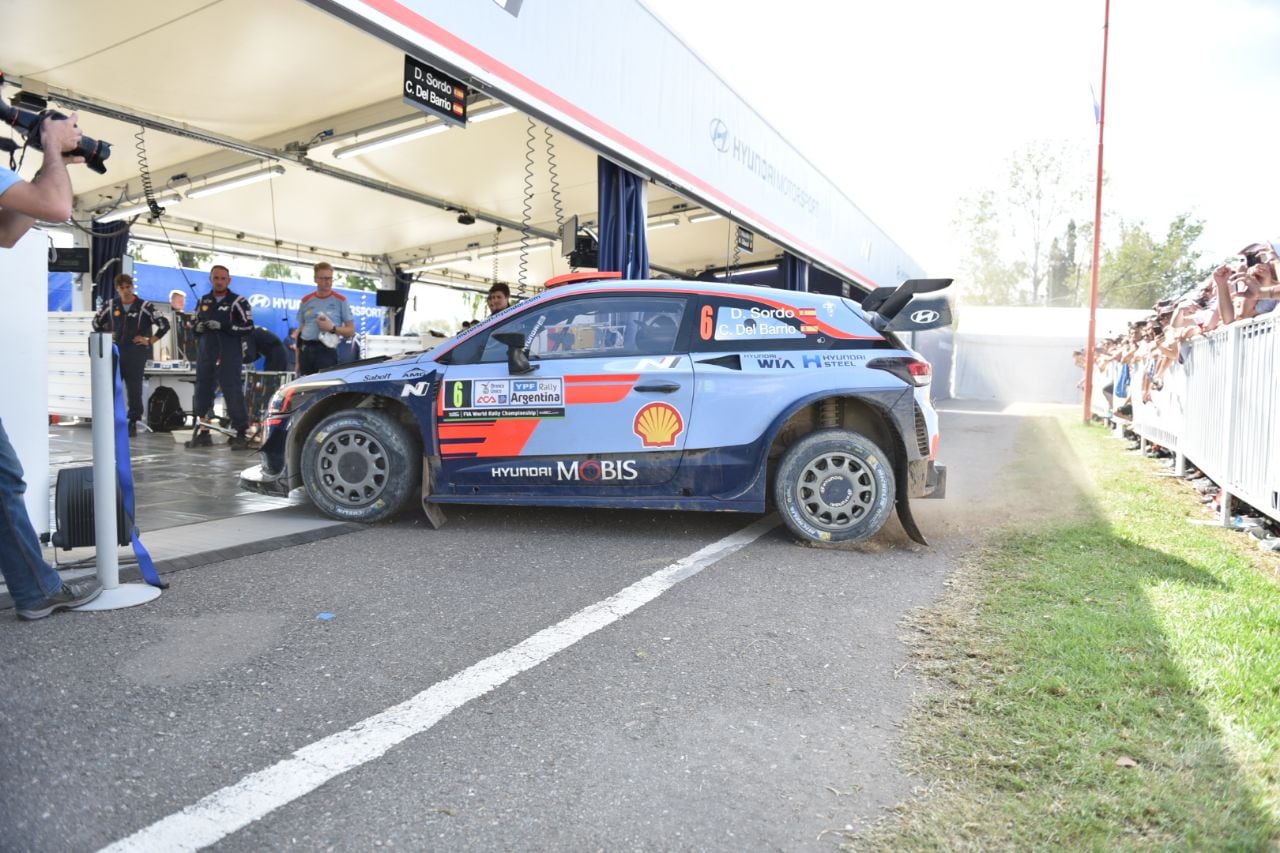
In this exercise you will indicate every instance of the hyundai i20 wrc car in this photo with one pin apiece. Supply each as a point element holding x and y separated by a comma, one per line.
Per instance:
<point>648,394</point>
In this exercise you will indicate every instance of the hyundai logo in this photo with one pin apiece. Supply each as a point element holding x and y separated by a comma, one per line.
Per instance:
<point>719,135</point>
<point>926,315</point>
<point>259,300</point>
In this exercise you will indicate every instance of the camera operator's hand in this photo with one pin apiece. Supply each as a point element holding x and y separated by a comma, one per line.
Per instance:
<point>61,136</point>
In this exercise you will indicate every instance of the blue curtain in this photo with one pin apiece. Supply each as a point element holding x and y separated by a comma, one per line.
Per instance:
<point>623,212</point>
<point>795,273</point>
<point>403,280</point>
<point>110,239</point>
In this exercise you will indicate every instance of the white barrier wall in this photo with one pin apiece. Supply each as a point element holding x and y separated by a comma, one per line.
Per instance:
<point>24,406</point>
<point>1023,355</point>
<point>1220,410</point>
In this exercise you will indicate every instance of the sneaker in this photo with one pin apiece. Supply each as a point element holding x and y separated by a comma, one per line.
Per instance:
<point>240,442</point>
<point>201,439</point>
<point>71,595</point>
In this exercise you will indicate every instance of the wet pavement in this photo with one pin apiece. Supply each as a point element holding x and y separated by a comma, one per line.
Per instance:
<point>190,510</point>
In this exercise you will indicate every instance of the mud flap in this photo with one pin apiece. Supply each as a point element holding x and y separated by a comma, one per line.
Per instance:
<point>908,522</point>
<point>433,512</point>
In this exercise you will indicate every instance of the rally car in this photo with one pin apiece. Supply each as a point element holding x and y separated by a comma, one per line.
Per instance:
<point>648,394</point>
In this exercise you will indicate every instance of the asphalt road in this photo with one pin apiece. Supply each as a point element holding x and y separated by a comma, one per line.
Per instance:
<point>751,705</point>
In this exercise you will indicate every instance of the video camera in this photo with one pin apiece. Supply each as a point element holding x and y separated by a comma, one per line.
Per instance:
<point>28,124</point>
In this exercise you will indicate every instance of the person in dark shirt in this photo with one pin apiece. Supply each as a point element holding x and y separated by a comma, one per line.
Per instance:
<point>223,319</point>
<point>262,343</point>
<point>135,325</point>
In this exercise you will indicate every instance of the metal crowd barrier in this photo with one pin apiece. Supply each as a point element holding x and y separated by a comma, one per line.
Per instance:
<point>1220,409</point>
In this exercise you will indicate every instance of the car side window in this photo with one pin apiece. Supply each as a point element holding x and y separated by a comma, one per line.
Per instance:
<point>734,324</point>
<point>594,326</point>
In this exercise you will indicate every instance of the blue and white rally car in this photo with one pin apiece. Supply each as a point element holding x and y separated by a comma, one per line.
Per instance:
<point>648,394</point>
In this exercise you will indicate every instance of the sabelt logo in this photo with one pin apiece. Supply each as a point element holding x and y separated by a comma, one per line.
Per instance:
<point>925,315</point>
<point>597,470</point>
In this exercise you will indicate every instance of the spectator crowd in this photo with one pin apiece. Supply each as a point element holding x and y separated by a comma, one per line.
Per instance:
<point>1242,288</point>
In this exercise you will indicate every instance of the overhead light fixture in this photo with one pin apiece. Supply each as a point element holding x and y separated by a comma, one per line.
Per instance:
<point>238,181</point>
<point>434,265</point>
<point>662,223</point>
<point>406,135</point>
<point>515,250</point>
<point>744,270</point>
<point>141,207</point>
<point>491,111</point>
<point>704,216</point>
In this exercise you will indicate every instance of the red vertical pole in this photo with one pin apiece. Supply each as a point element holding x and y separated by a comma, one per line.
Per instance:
<point>1097,228</point>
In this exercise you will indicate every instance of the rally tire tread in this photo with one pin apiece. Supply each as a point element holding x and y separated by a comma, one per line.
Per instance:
<point>361,465</point>
<point>861,495</point>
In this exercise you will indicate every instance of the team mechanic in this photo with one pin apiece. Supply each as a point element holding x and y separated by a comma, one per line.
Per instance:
<point>134,326</point>
<point>316,317</point>
<point>223,319</point>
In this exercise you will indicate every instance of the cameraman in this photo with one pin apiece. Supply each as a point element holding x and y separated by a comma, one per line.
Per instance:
<point>36,588</point>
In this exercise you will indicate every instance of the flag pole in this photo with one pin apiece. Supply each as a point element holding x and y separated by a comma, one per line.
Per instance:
<point>1097,228</point>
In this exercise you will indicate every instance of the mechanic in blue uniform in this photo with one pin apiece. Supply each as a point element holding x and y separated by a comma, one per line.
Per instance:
<point>321,316</point>
<point>36,587</point>
<point>134,325</point>
<point>263,343</point>
<point>222,320</point>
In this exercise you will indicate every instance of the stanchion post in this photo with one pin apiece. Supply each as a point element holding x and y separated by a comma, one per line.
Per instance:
<point>115,595</point>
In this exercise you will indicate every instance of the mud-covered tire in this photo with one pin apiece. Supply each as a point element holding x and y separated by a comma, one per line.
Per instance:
<point>361,465</point>
<point>834,486</point>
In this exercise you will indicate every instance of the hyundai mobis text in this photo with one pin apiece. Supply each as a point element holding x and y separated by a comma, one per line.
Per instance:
<point>675,395</point>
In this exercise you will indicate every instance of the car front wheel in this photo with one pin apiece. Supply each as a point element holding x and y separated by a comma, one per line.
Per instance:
<point>360,465</point>
<point>834,486</point>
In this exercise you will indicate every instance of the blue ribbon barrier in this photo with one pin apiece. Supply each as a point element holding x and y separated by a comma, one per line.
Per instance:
<point>124,473</point>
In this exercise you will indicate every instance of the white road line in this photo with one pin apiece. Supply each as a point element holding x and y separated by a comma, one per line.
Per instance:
<point>256,795</point>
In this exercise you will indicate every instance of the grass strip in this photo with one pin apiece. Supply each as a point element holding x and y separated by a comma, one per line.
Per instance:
<point>1106,675</point>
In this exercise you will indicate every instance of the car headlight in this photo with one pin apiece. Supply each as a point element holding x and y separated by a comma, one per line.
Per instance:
<point>284,399</point>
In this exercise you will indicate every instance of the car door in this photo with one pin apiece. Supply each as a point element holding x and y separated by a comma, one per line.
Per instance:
<point>603,409</point>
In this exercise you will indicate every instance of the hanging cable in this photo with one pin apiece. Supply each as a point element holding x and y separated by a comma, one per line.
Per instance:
<point>144,172</point>
<point>494,254</point>
<point>555,177</point>
<point>527,213</point>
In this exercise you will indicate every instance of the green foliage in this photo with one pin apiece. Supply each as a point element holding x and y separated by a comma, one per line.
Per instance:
<point>279,271</point>
<point>193,260</point>
<point>986,278</point>
<point>1047,185</point>
<point>359,282</point>
<point>476,304</point>
<point>1141,270</point>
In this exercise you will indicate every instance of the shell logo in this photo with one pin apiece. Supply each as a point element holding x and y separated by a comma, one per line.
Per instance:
<point>658,424</point>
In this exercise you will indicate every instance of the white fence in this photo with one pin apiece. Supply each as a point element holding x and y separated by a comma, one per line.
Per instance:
<point>1220,410</point>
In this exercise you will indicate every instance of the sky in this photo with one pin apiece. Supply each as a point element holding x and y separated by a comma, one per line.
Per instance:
<point>911,105</point>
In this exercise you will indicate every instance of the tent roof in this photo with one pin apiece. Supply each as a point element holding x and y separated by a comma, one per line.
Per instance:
<point>239,85</point>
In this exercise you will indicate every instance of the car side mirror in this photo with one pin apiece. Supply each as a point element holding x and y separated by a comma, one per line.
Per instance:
<point>517,359</point>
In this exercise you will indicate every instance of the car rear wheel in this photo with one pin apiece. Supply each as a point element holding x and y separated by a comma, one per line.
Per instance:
<point>360,465</point>
<point>834,486</point>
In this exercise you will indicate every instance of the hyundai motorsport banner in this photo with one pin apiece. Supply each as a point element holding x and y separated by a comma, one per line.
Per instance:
<point>275,303</point>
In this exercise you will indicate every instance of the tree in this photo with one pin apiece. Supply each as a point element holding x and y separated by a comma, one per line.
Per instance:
<point>987,279</point>
<point>280,271</point>
<point>360,282</point>
<point>1046,185</point>
<point>191,259</point>
<point>1142,270</point>
<point>1013,258</point>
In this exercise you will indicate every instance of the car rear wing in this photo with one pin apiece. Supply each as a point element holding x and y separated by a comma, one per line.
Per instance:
<point>885,307</point>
